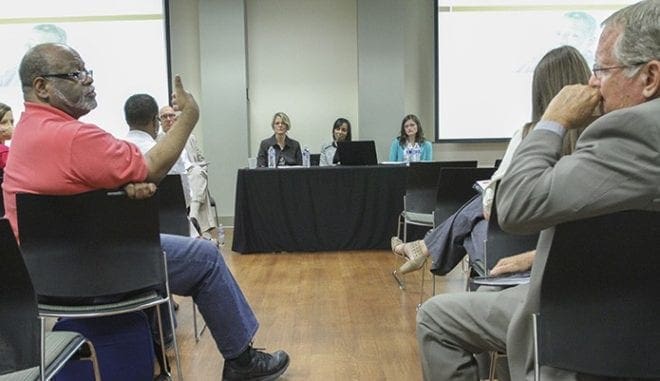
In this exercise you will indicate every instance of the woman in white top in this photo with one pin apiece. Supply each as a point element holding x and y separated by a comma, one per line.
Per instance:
<point>446,243</point>
<point>341,131</point>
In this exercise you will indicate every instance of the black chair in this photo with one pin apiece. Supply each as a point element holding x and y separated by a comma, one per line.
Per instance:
<point>599,306</point>
<point>2,195</point>
<point>315,159</point>
<point>419,199</point>
<point>500,244</point>
<point>454,188</point>
<point>174,219</point>
<point>95,246</point>
<point>421,190</point>
<point>28,353</point>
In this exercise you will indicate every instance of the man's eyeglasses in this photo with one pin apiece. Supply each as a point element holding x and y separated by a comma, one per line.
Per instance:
<point>167,116</point>
<point>79,75</point>
<point>599,72</point>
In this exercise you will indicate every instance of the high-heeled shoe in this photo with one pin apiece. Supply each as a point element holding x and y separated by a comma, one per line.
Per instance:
<point>416,257</point>
<point>394,242</point>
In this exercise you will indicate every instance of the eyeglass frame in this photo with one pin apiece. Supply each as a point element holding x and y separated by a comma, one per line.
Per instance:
<point>599,71</point>
<point>73,76</point>
<point>167,116</point>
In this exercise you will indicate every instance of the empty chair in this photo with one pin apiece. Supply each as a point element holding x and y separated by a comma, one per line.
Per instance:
<point>599,306</point>
<point>95,247</point>
<point>27,352</point>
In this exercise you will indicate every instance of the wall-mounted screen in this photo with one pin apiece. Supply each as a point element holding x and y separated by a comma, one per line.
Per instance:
<point>122,41</point>
<point>487,51</point>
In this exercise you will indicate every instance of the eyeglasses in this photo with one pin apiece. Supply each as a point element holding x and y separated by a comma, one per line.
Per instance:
<point>167,116</point>
<point>600,71</point>
<point>79,75</point>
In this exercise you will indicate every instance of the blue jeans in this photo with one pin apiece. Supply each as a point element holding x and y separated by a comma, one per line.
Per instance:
<point>196,268</point>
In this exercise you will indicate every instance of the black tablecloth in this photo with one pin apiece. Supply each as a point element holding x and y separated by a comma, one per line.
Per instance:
<point>317,209</point>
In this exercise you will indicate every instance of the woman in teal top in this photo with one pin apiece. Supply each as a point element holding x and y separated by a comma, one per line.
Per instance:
<point>411,133</point>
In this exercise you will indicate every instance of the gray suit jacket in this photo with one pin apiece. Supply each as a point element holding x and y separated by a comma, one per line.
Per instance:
<point>615,167</point>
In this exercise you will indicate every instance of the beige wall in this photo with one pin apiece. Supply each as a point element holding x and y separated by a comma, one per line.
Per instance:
<point>302,60</point>
<point>370,61</point>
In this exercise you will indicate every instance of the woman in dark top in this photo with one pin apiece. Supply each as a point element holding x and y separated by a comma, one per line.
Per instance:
<point>287,150</point>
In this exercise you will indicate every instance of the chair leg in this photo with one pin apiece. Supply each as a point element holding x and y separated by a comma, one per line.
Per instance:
<point>94,359</point>
<point>421,288</point>
<point>493,365</point>
<point>42,349</point>
<point>198,334</point>
<point>176,345</point>
<point>537,367</point>
<point>163,348</point>
<point>170,310</point>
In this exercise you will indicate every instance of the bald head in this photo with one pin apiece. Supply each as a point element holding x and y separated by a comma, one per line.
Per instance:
<point>55,74</point>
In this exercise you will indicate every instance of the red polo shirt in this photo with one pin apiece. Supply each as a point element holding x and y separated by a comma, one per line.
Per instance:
<point>53,153</point>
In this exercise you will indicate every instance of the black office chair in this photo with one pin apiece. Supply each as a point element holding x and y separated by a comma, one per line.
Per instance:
<point>26,352</point>
<point>419,200</point>
<point>174,219</point>
<point>599,305</point>
<point>499,244</point>
<point>94,246</point>
<point>454,189</point>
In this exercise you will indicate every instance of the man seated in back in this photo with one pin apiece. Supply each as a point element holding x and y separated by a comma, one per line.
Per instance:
<point>196,167</point>
<point>54,153</point>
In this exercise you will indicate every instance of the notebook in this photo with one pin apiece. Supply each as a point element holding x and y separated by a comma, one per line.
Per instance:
<point>359,152</point>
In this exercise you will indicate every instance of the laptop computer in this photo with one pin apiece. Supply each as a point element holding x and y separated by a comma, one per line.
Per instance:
<point>359,152</point>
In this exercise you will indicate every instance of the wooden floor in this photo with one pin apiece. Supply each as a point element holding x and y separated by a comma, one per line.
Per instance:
<point>339,315</point>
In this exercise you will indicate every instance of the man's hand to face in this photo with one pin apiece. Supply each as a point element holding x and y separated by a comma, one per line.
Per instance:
<point>574,106</point>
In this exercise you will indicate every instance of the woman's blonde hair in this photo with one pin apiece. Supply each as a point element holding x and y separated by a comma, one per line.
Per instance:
<point>285,120</point>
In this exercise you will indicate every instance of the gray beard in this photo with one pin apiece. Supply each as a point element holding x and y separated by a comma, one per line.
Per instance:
<point>83,105</point>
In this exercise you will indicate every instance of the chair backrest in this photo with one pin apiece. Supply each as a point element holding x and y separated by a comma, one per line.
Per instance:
<point>19,325</point>
<point>599,300</point>
<point>454,188</point>
<point>315,159</point>
<point>90,244</point>
<point>422,181</point>
<point>172,212</point>
<point>500,244</point>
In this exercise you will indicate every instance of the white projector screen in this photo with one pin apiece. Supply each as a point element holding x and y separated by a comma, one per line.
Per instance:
<point>123,41</point>
<point>486,52</point>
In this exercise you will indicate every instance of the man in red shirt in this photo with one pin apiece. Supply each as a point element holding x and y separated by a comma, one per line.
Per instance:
<point>54,153</point>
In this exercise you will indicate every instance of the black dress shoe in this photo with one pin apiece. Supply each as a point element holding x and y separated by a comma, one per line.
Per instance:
<point>261,367</point>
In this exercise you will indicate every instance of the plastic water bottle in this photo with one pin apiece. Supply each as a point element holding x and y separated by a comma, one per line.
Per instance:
<point>417,152</point>
<point>272,157</point>
<point>305,157</point>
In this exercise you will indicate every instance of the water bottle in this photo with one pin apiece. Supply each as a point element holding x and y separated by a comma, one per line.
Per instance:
<point>305,157</point>
<point>417,152</point>
<point>271,157</point>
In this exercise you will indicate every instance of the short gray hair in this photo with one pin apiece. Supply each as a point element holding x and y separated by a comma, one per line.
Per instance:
<point>639,41</point>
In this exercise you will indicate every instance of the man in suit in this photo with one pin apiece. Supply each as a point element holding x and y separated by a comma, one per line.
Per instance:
<point>615,167</point>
